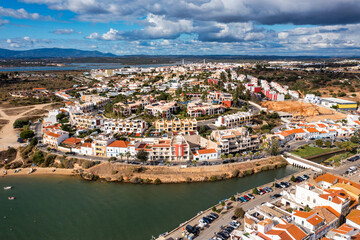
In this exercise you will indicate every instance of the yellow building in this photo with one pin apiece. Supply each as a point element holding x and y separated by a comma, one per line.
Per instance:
<point>184,126</point>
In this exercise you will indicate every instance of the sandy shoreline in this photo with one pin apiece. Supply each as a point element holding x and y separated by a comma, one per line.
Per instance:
<point>38,171</point>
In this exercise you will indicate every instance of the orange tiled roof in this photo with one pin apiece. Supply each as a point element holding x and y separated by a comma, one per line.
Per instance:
<point>343,229</point>
<point>311,130</point>
<point>293,230</point>
<point>52,134</point>
<point>86,144</point>
<point>120,144</point>
<point>206,151</point>
<point>354,216</point>
<point>327,177</point>
<point>302,214</point>
<point>72,141</point>
<point>315,220</point>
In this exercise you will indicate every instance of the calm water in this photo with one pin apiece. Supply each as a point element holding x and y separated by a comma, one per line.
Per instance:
<point>63,208</point>
<point>325,157</point>
<point>78,66</point>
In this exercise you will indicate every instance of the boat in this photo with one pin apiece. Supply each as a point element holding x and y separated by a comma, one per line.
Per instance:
<point>7,187</point>
<point>30,170</point>
<point>5,172</point>
<point>11,198</point>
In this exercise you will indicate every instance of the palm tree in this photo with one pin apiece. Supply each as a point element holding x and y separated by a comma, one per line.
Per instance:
<point>127,154</point>
<point>121,156</point>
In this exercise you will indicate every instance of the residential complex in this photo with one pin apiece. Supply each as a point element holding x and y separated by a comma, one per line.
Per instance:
<point>235,140</point>
<point>176,126</point>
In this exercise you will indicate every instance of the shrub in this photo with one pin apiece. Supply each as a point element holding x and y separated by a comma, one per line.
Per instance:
<point>188,179</point>
<point>157,181</point>
<point>113,172</point>
<point>265,168</point>
<point>239,212</point>
<point>27,134</point>
<point>293,178</point>
<point>38,157</point>
<point>249,172</point>
<point>87,164</point>
<point>222,203</point>
<point>213,178</point>
<point>49,160</point>
<point>19,123</point>
<point>232,198</point>
<point>235,173</point>
<point>255,191</point>
<point>213,209</point>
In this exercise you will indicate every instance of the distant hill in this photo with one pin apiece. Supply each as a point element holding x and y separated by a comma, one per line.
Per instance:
<point>51,53</point>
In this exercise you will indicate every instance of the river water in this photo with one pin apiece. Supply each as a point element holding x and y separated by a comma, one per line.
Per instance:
<point>79,66</point>
<point>60,207</point>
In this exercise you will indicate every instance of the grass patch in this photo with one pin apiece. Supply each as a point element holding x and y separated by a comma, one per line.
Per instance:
<point>308,151</point>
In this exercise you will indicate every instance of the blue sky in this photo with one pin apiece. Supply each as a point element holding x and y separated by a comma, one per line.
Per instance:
<point>123,27</point>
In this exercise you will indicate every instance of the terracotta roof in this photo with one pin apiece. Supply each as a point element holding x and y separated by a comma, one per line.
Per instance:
<point>311,130</point>
<point>302,214</point>
<point>119,144</point>
<point>315,220</point>
<point>293,230</point>
<point>86,144</point>
<point>206,151</point>
<point>343,229</point>
<point>248,221</point>
<point>333,179</point>
<point>52,134</point>
<point>72,141</point>
<point>354,216</point>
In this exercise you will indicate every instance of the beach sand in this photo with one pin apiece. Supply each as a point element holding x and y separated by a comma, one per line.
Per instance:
<point>37,171</point>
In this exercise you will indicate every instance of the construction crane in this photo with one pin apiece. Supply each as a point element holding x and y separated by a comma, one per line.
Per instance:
<point>301,93</point>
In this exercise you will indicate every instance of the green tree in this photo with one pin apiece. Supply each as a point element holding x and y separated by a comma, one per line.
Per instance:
<point>354,139</point>
<point>255,191</point>
<point>38,157</point>
<point>293,178</point>
<point>222,203</point>
<point>319,142</point>
<point>239,212</point>
<point>27,134</point>
<point>328,144</point>
<point>142,155</point>
<point>19,123</point>
<point>274,148</point>
<point>33,141</point>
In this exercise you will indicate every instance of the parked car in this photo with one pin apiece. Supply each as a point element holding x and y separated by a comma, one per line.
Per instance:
<point>275,196</point>
<point>191,229</point>
<point>305,176</point>
<point>234,224</point>
<point>251,196</point>
<point>214,215</point>
<point>243,199</point>
<point>246,197</point>
<point>233,217</point>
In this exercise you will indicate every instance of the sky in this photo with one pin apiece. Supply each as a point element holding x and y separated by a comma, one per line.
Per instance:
<point>184,27</point>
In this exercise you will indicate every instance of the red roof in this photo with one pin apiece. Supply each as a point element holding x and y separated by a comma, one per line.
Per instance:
<point>206,151</point>
<point>119,144</point>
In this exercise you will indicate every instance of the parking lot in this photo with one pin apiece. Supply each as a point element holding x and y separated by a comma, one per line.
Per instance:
<point>221,224</point>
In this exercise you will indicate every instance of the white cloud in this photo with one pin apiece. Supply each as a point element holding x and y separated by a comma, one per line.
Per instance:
<point>21,14</point>
<point>63,31</point>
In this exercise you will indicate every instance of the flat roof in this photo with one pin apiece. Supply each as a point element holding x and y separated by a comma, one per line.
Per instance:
<point>338,100</point>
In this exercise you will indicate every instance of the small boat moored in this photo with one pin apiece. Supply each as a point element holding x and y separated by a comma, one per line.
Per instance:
<point>7,187</point>
<point>11,198</point>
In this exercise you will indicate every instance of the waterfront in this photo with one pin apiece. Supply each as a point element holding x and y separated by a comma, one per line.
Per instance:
<point>78,66</point>
<point>69,208</point>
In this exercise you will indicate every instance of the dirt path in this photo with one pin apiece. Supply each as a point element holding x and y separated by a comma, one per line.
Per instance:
<point>8,133</point>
